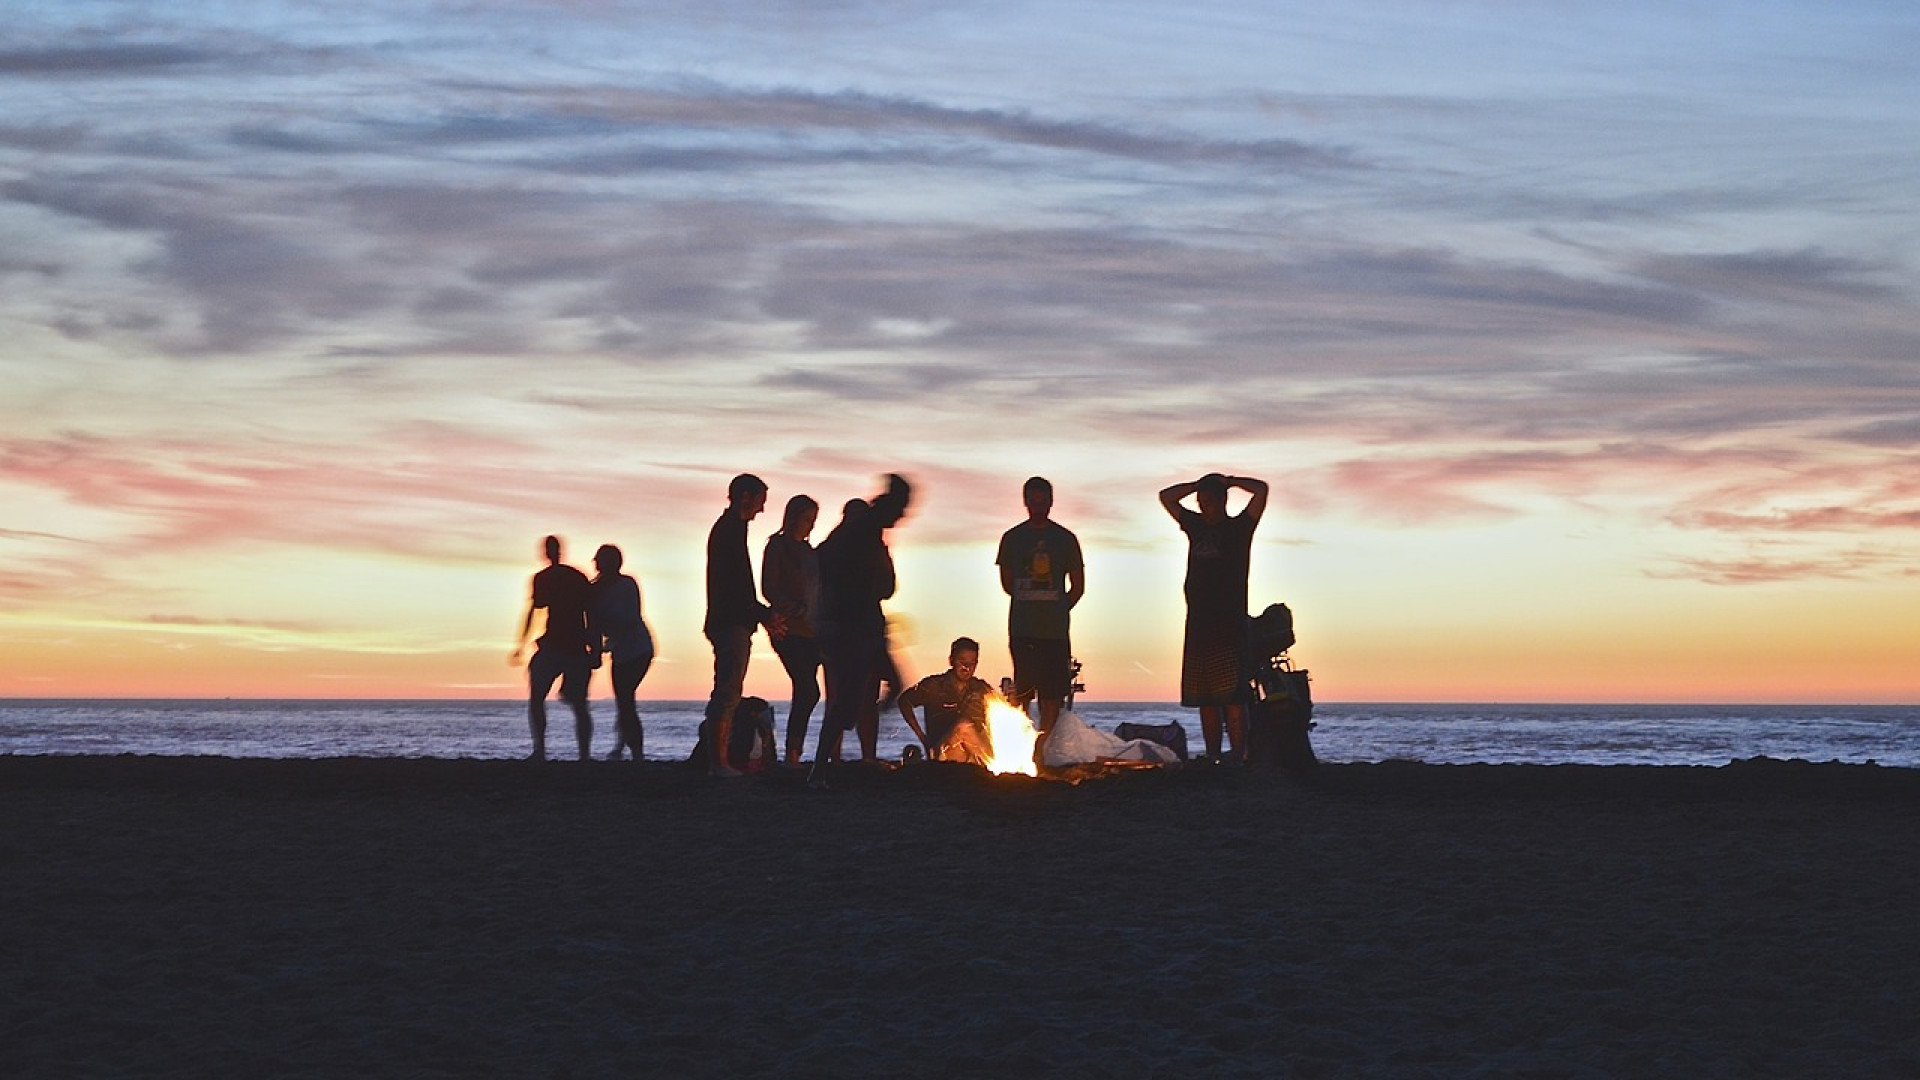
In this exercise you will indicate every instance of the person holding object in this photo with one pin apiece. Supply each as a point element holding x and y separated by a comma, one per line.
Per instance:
<point>734,611</point>
<point>1043,574</point>
<point>1214,666</point>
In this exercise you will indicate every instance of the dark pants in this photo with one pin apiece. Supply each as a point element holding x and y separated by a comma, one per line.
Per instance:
<point>626,682</point>
<point>853,663</point>
<point>732,648</point>
<point>571,670</point>
<point>801,657</point>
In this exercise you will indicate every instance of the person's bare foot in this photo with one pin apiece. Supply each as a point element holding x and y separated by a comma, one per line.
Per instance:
<point>725,772</point>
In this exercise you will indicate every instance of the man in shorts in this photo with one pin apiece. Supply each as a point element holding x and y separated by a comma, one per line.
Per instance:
<point>1042,572</point>
<point>566,651</point>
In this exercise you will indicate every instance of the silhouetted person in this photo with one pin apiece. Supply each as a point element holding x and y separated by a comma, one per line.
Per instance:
<point>955,705</point>
<point>565,651</point>
<point>790,580</point>
<point>856,574</point>
<point>1041,570</point>
<point>1214,666</point>
<point>614,613</point>
<point>734,610</point>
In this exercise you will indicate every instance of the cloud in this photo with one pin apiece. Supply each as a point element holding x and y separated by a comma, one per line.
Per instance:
<point>115,59</point>
<point>1851,564</point>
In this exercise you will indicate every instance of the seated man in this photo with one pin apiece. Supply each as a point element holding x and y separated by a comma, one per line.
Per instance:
<point>956,708</point>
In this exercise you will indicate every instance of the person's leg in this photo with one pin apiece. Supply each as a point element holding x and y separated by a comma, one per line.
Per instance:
<point>626,679</point>
<point>732,647</point>
<point>1236,731</point>
<point>801,658</point>
<point>1210,730</point>
<point>837,665</point>
<point>541,673</point>
<point>872,658</point>
<point>573,690</point>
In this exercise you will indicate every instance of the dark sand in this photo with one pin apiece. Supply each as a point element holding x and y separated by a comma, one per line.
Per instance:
<point>207,917</point>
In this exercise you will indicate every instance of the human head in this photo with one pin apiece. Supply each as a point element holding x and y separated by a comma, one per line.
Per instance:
<point>800,515</point>
<point>891,504</point>
<point>1037,494</point>
<point>608,559</point>
<point>551,545</point>
<point>964,656</point>
<point>747,495</point>
<point>1211,494</point>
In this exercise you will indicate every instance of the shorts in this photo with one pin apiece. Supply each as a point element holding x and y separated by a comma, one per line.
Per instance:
<point>1042,667</point>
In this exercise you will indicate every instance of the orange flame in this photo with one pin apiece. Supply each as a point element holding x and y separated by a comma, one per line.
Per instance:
<point>1010,739</point>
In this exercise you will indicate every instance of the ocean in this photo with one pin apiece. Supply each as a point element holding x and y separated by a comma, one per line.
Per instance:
<point>1449,734</point>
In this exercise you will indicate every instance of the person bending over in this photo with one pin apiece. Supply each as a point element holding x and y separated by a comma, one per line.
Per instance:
<point>955,705</point>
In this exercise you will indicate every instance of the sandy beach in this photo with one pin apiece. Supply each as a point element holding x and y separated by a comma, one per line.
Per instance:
<point>213,917</point>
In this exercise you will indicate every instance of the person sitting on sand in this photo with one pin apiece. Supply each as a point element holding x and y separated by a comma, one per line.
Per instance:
<point>955,703</point>
<point>565,651</point>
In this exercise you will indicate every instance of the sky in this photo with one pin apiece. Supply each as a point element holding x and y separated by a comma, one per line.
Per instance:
<point>1578,342</point>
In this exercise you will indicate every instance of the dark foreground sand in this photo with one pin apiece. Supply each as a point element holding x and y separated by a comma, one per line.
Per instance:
<point>206,917</point>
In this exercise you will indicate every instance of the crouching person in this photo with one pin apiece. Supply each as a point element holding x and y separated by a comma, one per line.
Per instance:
<point>954,704</point>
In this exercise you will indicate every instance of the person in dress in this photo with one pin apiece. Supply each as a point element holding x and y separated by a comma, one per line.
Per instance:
<point>614,612</point>
<point>565,651</point>
<point>1214,666</point>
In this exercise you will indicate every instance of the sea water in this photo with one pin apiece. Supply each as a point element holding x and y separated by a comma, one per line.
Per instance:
<point>1436,734</point>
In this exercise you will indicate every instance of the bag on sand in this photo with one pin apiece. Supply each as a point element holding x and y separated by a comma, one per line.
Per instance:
<point>750,746</point>
<point>1172,736</point>
<point>1270,633</point>
<point>1279,722</point>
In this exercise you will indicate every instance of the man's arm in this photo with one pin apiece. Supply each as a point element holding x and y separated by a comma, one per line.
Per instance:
<point>1170,497</point>
<point>907,700</point>
<point>1256,488</point>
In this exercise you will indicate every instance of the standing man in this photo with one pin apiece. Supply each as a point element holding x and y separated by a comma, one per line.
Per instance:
<point>734,610</point>
<point>565,651</point>
<point>1041,569</point>
<point>1214,665</point>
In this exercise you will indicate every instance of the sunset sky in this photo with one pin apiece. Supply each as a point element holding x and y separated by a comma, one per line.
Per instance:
<point>1579,342</point>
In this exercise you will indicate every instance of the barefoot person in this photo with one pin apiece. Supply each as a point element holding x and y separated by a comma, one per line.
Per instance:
<point>734,611</point>
<point>1213,662</point>
<point>955,705</point>
<point>790,580</point>
<point>1041,570</point>
<point>564,651</point>
<point>615,616</point>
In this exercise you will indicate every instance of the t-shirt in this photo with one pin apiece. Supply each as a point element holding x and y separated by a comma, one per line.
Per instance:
<point>1217,559</point>
<point>947,703</point>
<point>1040,559</point>
<point>562,590</point>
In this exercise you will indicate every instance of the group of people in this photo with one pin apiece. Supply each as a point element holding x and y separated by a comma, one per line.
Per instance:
<point>821,606</point>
